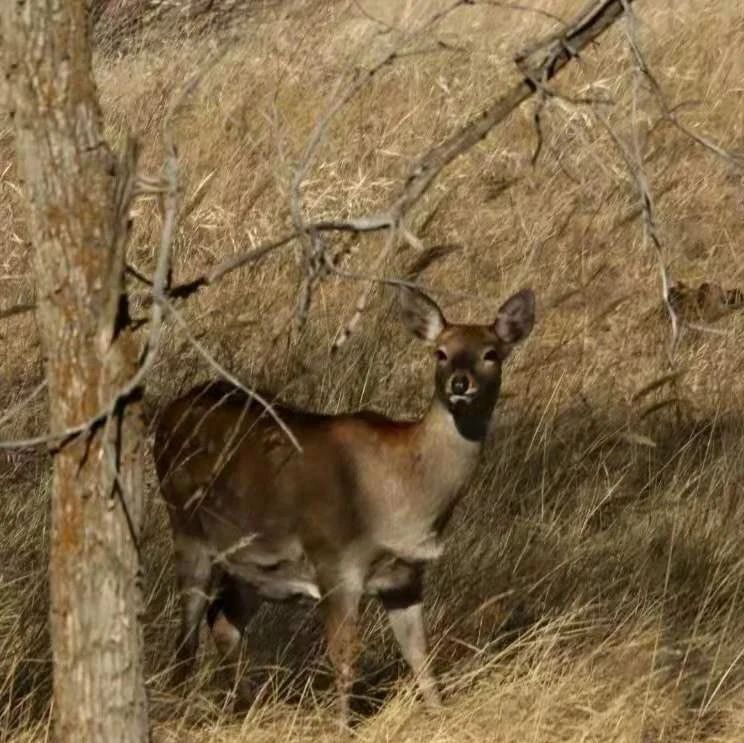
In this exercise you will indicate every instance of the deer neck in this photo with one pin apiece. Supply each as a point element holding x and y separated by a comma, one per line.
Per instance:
<point>450,441</point>
<point>412,497</point>
<point>470,422</point>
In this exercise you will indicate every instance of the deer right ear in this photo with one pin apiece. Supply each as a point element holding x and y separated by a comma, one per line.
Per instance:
<point>421,314</point>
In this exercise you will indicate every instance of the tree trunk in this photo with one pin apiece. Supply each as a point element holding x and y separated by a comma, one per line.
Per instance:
<point>72,181</point>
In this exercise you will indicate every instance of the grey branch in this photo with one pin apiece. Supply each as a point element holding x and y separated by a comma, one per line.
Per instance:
<point>61,438</point>
<point>125,190</point>
<point>669,113</point>
<point>252,394</point>
<point>541,61</point>
<point>17,309</point>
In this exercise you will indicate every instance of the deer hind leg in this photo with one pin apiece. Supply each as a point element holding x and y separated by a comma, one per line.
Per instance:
<point>228,616</point>
<point>340,605</point>
<point>194,574</point>
<point>405,614</point>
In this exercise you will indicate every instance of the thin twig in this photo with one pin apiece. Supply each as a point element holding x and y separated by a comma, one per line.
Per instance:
<point>18,309</point>
<point>670,112</point>
<point>419,265</point>
<point>363,299</point>
<point>701,328</point>
<point>370,223</point>
<point>159,282</point>
<point>635,168</point>
<point>10,414</point>
<point>541,61</point>
<point>209,358</point>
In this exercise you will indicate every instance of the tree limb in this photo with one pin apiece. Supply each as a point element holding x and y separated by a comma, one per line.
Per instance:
<point>541,61</point>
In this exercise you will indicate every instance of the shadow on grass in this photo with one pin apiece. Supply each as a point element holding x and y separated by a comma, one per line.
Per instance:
<point>579,517</point>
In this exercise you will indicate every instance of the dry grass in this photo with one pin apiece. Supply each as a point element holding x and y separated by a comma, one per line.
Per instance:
<point>592,584</point>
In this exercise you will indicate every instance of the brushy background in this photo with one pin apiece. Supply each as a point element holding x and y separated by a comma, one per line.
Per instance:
<point>591,588</point>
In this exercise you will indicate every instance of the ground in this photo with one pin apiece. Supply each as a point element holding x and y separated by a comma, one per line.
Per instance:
<point>591,583</point>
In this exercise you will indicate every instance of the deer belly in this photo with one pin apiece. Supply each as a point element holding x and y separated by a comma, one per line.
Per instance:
<point>278,582</point>
<point>277,574</point>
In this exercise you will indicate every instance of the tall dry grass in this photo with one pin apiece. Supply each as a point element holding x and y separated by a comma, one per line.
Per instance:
<point>591,588</point>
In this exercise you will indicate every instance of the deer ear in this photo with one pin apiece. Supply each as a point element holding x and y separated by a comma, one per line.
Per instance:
<point>421,314</point>
<point>516,317</point>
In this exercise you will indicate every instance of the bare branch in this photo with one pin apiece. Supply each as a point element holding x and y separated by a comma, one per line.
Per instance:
<point>670,112</point>
<point>244,258</point>
<point>411,283</point>
<point>371,223</point>
<point>521,8</point>
<point>634,161</point>
<point>252,394</point>
<point>363,299</point>
<point>125,190</point>
<point>10,414</point>
<point>634,164</point>
<point>541,61</point>
<point>538,64</point>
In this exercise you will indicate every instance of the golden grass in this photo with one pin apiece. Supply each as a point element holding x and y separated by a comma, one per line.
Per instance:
<point>591,587</point>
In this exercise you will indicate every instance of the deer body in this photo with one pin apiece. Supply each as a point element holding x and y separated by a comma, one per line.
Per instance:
<point>359,511</point>
<point>366,487</point>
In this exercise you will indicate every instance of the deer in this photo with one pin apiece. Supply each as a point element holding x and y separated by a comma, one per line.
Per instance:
<point>706,302</point>
<point>359,511</point>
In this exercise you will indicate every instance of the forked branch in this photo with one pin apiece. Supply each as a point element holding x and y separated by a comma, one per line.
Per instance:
<point>539,62</point>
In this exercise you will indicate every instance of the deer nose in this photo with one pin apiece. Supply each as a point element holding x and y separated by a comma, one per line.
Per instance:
<point>459,384</point>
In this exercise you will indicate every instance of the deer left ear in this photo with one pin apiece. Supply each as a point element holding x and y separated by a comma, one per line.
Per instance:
<point>516,317</point>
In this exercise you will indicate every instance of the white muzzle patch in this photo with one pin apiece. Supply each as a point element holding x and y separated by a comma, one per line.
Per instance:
<point>467,398</point>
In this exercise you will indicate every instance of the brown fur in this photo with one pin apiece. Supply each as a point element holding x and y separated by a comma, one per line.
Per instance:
<point>705,303</point>
<point>360,509</point>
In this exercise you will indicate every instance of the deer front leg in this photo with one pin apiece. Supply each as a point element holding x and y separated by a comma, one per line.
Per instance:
<point>341,609</point>
<point>194,576</point>
<point>405,614</point>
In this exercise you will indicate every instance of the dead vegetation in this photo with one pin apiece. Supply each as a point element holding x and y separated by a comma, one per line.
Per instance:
<point>591,588</point>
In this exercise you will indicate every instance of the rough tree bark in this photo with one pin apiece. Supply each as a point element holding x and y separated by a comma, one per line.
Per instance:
<point>74,187</point>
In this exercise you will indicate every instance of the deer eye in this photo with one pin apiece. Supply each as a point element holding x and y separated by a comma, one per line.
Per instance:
<point>441,355</point>
<point>491,356</point>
